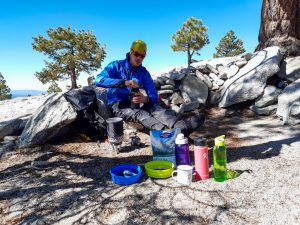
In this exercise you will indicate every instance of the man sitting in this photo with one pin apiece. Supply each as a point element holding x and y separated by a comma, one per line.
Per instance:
<point>122,76</point>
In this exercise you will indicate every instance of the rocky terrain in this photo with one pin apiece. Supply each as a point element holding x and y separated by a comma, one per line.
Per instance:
<point>69,182</point>
<point>51,176</point>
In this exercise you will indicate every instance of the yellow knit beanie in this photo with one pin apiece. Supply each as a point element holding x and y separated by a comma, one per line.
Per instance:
<point>138,46</point>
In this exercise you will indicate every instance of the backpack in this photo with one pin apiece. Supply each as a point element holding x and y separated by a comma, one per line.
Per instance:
<point>88,122</point>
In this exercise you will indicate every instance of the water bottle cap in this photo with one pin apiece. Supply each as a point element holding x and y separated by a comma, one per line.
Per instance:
<point>180,140</point>
<point>200,141</point>
<point>220,141</point>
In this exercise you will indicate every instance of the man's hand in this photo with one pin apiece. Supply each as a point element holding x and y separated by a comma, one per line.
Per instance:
<point>139,98</point>
<point>131,83</point>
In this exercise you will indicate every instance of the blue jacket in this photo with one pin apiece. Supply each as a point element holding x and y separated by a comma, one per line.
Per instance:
<point>114,75</point>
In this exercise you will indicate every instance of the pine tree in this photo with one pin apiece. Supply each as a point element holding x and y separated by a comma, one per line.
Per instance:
<point>191,37</point>
<point>229,46</point>
<point>4,89</point>
<point>70,53</point>
<point>54,88</point>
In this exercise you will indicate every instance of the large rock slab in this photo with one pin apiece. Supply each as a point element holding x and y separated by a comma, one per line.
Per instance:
<point>55,113</point>
<point>165,92</point>
<point>290,69</point>
<point>194,88</point>
<point>232,70</point>
<point>204,78</point>
<point>175,75</point>
<point>269,96</point>
<point>225,61</point>
<point>185,107</point>
<point>20,107</point>
<point>160,80</point>
<point>251,80</point>
<point>167,87</point>
<point>176,99</point>
<point>12,127</point>
<point>212,69</point>
<point>222,72</point>
<point>216,79</point>
<point>241,63</point>
<point>264,111</point>
<point>289,104</point>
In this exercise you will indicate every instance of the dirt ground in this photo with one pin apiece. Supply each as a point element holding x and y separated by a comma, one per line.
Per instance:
<point>69,183</point>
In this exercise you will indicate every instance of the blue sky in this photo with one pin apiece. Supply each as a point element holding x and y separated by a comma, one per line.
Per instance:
<point>116,24</point>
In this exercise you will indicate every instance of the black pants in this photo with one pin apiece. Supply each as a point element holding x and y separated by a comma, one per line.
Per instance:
<point>152,116</point>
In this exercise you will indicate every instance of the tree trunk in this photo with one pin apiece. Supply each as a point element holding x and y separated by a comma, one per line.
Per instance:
<point>189,57</point>
<point>73,79</point>
<point>73,73</point>
<point>280,26</point>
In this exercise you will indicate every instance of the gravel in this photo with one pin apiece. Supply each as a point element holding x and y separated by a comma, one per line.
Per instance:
<point>73,185</point>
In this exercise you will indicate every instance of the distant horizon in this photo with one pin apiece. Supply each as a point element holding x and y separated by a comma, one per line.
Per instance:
<point>25,93</point>
<point>116,24</point>
<point>17,90</point>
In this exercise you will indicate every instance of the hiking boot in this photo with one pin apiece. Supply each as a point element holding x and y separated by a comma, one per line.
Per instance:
<point>191,123</point>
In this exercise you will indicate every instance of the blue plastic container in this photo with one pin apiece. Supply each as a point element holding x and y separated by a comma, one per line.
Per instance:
<point>132,174</point>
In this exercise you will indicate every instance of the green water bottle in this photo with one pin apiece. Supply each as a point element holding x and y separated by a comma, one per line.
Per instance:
<point>220,159</point>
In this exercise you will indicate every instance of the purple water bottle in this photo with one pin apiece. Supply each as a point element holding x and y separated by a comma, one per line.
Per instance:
<point>182,150</point>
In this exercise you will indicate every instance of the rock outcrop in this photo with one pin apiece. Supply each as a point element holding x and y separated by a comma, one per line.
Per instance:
<point>222,82</point>
<point>289,104</point>
<point>54,114</point>
<point>259,77</point>
<point>251,80</point>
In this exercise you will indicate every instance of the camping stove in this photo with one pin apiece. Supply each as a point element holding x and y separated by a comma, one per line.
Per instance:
<point>115,133</point>
<point>115,143</point>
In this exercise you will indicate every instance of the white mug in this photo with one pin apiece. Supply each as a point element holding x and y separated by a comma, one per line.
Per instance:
<point>184,174</point>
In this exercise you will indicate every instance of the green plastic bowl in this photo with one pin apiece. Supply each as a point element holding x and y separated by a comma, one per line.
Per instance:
<point>159,169</point>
